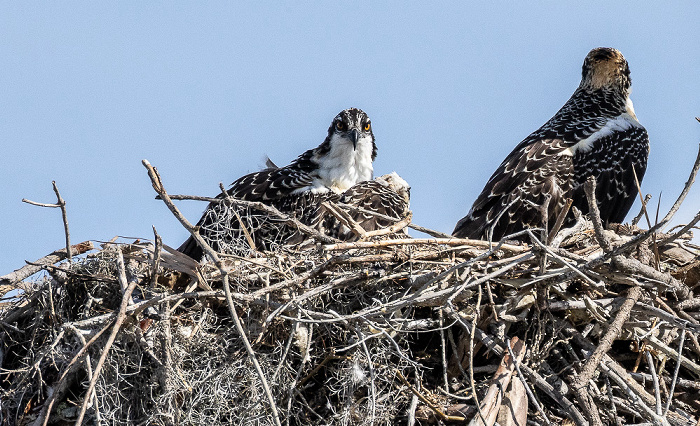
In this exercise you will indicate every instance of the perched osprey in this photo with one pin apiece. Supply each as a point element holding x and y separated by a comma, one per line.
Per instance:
<point>229,228</point>
<point>343,159</point>
<point>596,133</point>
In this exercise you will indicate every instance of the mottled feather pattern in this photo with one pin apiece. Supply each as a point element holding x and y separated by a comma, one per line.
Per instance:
<point>343,159</point>
<point>599,115</point>
<point>222,229</point>
<point>388,195</point>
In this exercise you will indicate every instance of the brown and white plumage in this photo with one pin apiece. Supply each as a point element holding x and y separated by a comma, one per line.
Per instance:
<point>596,133</point>
<point>343,159</point>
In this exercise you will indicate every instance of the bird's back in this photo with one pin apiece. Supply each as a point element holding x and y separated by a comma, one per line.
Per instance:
<point>595,133</point>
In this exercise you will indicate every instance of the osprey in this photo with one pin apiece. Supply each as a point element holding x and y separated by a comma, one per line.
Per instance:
<point>595,133</point>
<point>343,159</point>
<point>387,195</point>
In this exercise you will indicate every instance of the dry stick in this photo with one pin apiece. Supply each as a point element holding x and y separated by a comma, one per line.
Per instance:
<point>272,211</point>
<point>538,380</point>
<point>636,399</point>
<point>427,402</point>
<point>471,355</point>
<point>613,409</point>
<point>62,204</point>
<point>642,210</point>
<point>626,264</point>
<point>344,218</point>
<point>434,241</point>
<point>432,233</point>
<point>516,362</point>
<point>619,374</point>
<point>121,316</point>
<point>675,373</point>
<point>392,229</point>
<point>156,257</point>
<point>683,230</point>
<point>589,187</point>
<point>88,365</point>
<point>556,395</point>
<point>655,378</point>
<point>33,267</point>
<point>560,220</point>
<point>158,186</point>
<point>646,214</point>
<point>59,204</point>
<point>686,189</point>
<point>607,340</point>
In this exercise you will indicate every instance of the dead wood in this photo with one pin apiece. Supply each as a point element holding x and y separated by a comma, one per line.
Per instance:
<point>384,330</point>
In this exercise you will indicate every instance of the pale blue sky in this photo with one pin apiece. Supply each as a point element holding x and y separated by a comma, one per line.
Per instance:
<point>204,90</point>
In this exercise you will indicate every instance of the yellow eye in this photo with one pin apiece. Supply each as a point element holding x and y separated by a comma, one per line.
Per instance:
<point>340,126</point>
<point>366,127</point>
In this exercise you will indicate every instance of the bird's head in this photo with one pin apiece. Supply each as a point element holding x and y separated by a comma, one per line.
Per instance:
<point>354,128</point>
<point>605,67</point>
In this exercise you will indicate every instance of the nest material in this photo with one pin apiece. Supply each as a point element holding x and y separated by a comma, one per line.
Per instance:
<point>589,327</point>
<point>385,331</point>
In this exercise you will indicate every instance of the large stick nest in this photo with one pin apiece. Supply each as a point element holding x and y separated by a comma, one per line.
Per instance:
<point>380,331</point>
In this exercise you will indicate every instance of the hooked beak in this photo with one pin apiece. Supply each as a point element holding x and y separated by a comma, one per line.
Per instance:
<point>354,137</point>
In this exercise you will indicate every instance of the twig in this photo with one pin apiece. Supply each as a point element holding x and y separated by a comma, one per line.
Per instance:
<point>61,384</point>
<point>32,268</point>
<point>158,246</point>
<point>684,192</point>
<point>391,229</point>
<point>427,402</point>
<point>62,204</point>
<point>560,220</point>
<point>632,395</point>
<point>415,241</point>
<point>589,188</point>
<point>270,210</point>
<point>652,370</point>
<point>646,214</point>
<point>432,233</point>
<point>675,372</point>
<point>530,395</point>
<point>642,210</point>
<point>344,218</point>
<point>607,340</point>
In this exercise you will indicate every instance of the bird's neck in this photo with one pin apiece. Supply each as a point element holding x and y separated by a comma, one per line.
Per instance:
<point>342,166</point>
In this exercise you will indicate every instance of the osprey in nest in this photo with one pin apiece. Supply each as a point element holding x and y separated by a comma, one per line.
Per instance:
<point>595,133</point>
<point>339,170</point>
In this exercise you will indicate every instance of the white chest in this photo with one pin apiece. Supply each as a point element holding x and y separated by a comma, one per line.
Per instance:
<point>343,166</point>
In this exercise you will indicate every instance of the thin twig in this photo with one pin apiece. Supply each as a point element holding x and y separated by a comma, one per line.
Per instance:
<point>675,372</point>
<point>62,204</point>
<point>530,395</point>
<point>589,188</point>
<point>426,401</point>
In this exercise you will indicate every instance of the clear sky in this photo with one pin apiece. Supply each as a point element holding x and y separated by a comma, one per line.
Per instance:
<point>204,90</point>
